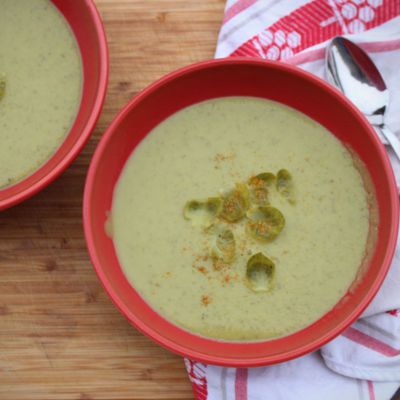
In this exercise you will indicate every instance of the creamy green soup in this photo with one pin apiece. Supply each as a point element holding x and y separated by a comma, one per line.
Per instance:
<point>201,152</point>
<point>40,72</point>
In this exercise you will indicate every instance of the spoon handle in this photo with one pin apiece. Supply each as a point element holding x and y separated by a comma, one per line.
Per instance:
<point>380,134</point>
<point>391,138</point>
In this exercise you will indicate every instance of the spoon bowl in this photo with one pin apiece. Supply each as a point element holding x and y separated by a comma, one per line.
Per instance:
<point>354,73</point>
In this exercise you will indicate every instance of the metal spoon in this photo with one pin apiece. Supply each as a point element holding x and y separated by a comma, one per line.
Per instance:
<point>354,73</point>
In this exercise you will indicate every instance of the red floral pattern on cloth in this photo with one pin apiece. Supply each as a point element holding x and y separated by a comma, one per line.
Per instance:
<point>197,376</point>
<point>316,22</point>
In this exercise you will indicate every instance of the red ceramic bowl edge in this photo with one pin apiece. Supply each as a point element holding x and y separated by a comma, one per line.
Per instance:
<point>85,135</point>
<point>223,361</point>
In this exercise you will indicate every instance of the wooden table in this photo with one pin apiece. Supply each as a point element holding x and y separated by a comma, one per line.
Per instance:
<point>60,336</point>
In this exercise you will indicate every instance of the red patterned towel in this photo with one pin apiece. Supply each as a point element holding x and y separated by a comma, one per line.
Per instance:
<point>364,362</point>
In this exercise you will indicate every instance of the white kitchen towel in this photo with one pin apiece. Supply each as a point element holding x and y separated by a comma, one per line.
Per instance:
<point>364,361</point>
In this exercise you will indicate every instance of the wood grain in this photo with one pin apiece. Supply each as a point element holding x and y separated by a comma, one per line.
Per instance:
<point>60,336</point>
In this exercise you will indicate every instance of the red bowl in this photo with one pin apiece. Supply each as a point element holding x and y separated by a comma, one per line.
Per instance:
<point>236,77</point>
<point>87,26</point>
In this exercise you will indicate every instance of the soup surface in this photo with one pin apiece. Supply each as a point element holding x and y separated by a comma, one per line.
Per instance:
<point>40,70</point>
<point>206,148</point>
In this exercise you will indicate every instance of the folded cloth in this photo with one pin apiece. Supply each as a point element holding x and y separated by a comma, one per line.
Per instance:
<point>364,361</point>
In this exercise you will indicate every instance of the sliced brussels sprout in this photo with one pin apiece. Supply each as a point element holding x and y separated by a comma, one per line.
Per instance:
<point>202,213</point>
<point>260,273</point>
<point>284,185</point>
<point>235,203</point>
<point>267,177</point>
<point>2,86</point>
<point>265,223</point>
<point>259,186</point>
<point>224,245</point>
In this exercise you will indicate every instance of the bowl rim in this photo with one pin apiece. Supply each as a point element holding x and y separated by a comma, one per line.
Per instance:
<point>189,352</point>
<point>85,134</point>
